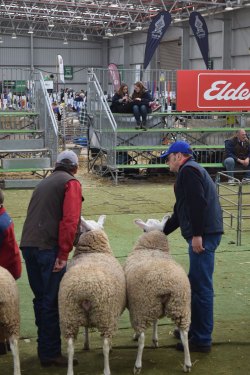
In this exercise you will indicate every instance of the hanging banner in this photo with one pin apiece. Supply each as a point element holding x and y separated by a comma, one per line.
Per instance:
<point>156,30</point>
<point>60,68</point>
<point>199,27</point>
<point>213,90</point>
<point>115,76</point>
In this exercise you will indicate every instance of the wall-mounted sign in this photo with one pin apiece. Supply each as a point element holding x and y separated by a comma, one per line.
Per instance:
<point>9,84</point>
<point>215,90</point>
<point>21,86</point>
<point>48,85</point>
<point>68,72</point>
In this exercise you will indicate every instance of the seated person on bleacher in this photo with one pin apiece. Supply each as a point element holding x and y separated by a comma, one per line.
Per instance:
<point>237,154</point>
<point>142,100</point>
<point>121,101</point>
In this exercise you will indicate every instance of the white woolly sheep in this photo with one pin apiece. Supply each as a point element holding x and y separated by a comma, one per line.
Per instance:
<point>156,287</point>
<point>92,292</point>
<point>9,315</point>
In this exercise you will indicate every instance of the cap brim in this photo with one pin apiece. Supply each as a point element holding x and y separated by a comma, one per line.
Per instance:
<point>166,153</point>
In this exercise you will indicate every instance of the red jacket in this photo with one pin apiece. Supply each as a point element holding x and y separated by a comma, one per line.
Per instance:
<point>9,251</point>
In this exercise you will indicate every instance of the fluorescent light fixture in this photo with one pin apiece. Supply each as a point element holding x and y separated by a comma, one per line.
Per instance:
<point>108,33</point>
<point>139,26</point>
<point>177,18</point>
<point>84,37</point>
<point>13,36</point>
<point>229,5</point>
<point>30,30</point>
<point>51,24</point>
<point>65,41</point>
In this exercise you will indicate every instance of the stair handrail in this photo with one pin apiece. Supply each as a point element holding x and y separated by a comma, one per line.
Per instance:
<point>49,106</point>
<point>93,78</point>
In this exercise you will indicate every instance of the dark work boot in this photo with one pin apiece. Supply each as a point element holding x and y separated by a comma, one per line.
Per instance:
<point>144,125</point>
<point>3,348</point>
<point>60,361</point>
<point>138,125</point>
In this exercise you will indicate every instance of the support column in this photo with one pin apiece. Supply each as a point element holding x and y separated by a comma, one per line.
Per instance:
<point>31,53</point>
<point>185,47</point>
<point>227,42</point>
<point>126,52</point>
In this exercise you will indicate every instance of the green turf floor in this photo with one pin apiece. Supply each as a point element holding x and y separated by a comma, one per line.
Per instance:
<point>122,204</point>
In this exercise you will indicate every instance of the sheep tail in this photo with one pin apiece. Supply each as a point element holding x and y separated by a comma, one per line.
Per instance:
<point>86,305</point>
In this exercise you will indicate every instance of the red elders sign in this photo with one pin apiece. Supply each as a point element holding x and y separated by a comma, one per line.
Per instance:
<point>217,90</point>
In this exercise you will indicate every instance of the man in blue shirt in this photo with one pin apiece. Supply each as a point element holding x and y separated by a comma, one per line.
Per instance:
<point>198,213</point>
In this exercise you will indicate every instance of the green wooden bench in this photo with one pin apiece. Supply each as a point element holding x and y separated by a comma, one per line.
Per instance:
<point>41,172</point>
<point>165,147</point>
<point>163,165</point>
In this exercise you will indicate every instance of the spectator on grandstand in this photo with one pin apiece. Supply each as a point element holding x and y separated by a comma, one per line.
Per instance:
<point>237,155</point>
<point>121,101</point>
<point>141,105</point>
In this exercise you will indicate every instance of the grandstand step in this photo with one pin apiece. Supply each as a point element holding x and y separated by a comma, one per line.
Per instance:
<point>20,151</point>
<point>20,183</point>
<point>20,144</point>
<point>18,114</point>
<point>23,170</point>
<point>136,166</point>
<point>20,131</point>
<point>15,163</point>
<point>164,147</point>
<point>178,113</point>
<point>177,130</point>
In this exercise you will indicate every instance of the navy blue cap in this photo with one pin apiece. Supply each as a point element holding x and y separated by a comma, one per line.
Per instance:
<point>178,146</point>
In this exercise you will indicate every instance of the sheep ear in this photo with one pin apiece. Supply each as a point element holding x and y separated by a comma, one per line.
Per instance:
<point>165,218</point>
<point>84,225</point>
<point>101,220</point>
<point>140,223</point>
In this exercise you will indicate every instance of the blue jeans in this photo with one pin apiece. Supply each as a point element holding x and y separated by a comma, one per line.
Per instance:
<point>45,286</point>
<point>140,111</point>
<point>202,293</point>
<point>230,166</point>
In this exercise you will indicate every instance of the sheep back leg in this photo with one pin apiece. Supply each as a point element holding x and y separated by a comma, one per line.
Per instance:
<point>106,349</point>
<point>187,360</point>
<point>138,362</point>
<point>155,334</point>
<point>70,356</point>
<point>86,338</point>
<point>15,352</point>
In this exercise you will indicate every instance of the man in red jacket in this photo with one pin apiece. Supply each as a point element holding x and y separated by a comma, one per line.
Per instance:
<point>9,251</point>
<point>47,238</point>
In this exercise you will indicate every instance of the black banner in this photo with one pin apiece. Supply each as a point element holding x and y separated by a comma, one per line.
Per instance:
<point>200,31</point>
<point>156,30</point>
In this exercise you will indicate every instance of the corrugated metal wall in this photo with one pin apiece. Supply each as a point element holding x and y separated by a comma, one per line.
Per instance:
<point>79,55</point>
<point>170,55</point>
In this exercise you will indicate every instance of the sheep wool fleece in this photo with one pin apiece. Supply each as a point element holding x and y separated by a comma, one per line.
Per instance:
<point>9,306</point>
<point>93,290</point>
<point>156,285</point>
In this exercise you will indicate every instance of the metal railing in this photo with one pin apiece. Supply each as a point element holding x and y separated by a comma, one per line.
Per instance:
<point>104,133</point>
<point>117,146</point>
<point>235,203</point>
<point>47,120</point>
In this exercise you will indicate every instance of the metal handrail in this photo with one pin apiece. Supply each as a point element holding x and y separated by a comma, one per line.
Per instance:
<point>93,78</point>
<point>48,104</point>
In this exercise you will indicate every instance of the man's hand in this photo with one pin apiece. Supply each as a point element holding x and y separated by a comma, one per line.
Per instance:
<point>245,162</point>
<point>59,265</point>
<point>197,244</point>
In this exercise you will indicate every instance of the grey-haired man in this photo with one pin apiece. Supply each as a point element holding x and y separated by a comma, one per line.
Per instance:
<point>47,238</point>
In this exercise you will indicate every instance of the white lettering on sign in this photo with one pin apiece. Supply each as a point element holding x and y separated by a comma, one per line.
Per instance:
<point>220,90</point>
